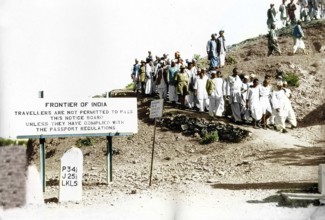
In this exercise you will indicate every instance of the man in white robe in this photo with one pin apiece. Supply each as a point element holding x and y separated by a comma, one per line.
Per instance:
<point>192,74</point>
<point>279,103</point>
<point>201,92</point>
<point>233,92</point>
<point>253,102</point>
<point>291,114</point>
<point>221,48</point>
<point>148,90</point>
<point>215,88</point>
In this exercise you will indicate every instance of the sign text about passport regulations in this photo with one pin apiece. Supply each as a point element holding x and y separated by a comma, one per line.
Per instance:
<point>91,116</point>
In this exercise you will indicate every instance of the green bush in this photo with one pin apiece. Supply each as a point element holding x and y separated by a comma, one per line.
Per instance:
<point>85,142</point>
<point>292,79</point>
<point>7,142</point>
<point>230,60</point>
<point>209,138</point>
<point>130,86</point>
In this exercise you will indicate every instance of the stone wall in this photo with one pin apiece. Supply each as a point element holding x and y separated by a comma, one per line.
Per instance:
<point>12,176</point>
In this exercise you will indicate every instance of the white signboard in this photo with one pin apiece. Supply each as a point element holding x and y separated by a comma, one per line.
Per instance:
<point>156,108</point>
<point>76,117</point>
<point>71,175</point>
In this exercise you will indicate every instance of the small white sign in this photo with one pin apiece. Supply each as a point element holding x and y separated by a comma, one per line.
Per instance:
<point>71,176</point>
<point>156,108</point>
<point>75,117</point>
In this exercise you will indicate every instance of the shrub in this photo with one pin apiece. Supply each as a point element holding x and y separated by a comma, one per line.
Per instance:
<point>85,142</point>
<point>230,60</point>
<point>210,138</point>
<point>292,79</point>
<point>8,142</point>
<point>130,86</point>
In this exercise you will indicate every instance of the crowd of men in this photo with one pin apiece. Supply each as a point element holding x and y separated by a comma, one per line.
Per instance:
<point>309,10</point>
<point>238,96</point>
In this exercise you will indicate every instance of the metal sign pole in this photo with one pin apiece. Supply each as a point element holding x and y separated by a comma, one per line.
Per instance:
<point>109,155</point>
<point>42,162</point>
<point>109,162</point>
<point>42,152</point>
<point>153,150</point>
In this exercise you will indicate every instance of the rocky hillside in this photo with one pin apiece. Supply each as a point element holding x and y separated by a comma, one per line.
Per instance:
<point>308,98</point>
<point>262,156</point>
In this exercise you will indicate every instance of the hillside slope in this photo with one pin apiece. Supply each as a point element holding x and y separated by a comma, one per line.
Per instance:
<point>308,98</point>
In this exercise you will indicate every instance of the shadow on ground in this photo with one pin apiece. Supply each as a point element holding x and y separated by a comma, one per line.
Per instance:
<point>282,187</point>
<point>303,156</point>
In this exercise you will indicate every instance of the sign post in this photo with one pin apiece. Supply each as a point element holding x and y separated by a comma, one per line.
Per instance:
<point>43,118</point>
<point>156,109</point>
<point>42,152</point>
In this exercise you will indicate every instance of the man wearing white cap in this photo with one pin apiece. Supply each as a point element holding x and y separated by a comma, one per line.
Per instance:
<point>279,103</point>
<point>244,91</point>
<point>221,48</point>
<point>291,114</point>
<point>200,91</point>
<point>149,71</point>
<point>216,93</point>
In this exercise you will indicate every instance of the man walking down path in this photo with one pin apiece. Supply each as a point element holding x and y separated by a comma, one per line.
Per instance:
<point>211,49</point>
<point>253,102</point>
<point>298,35</point>
<point>279,103</point>
<point>273,44</point>
<point>291,114</point>
<point>265,101</point>
<point>283,13</point>
<point>233,92</point>
<point>271,13</point>
<point>221,48</point>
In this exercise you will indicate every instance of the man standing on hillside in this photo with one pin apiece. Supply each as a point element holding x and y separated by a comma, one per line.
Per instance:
<point>135,75</point>
<point>162,81</point>
<point>279,103</point>
<point>233,92</point>
<point>200,91</point>
<point>273,44</point>
<point>212,52</point>
<point>283,13</point>
<point>291,7</point>
<point>221,48</point>
<point>271,13</point>
<point>215,89</point>
<point>172,92</point>
<point>298,35</point>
